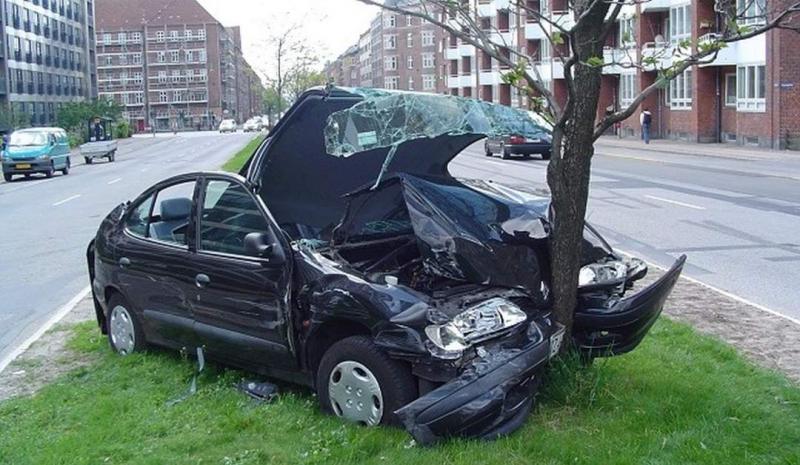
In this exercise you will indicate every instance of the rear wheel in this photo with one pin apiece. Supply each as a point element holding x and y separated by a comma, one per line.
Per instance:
<point>7,177</point>
<point>125,333</point>
<point>546,155</point>
<point>65,171</point>
<point>486,150</point>
<point>360,383</point>
<point>112,155</point>
<point>88,160</point>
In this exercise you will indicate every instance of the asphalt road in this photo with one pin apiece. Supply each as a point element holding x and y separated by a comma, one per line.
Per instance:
<point>46,224</point>
<point>738,220</point>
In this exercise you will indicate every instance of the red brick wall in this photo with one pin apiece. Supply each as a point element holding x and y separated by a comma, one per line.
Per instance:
<point>788,91</point>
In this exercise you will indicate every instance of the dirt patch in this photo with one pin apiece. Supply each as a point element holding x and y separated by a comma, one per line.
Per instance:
<point>766,339</point>
<point>47,358</point>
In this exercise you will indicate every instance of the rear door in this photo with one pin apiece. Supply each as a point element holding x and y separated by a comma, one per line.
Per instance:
<point>154,258</point>
<point>242,305</point>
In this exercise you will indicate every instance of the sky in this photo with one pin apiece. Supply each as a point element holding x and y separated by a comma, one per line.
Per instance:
<point>329,26</point>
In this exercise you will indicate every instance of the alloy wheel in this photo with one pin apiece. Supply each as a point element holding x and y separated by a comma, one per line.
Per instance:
<point>123,333</point>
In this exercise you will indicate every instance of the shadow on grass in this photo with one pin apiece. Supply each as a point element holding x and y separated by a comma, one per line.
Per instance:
<point>679,398</point>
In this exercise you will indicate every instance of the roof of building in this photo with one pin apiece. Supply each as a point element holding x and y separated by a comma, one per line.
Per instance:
<point>118,14</point>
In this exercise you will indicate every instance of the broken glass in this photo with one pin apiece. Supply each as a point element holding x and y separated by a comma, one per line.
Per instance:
<point>387,119</point>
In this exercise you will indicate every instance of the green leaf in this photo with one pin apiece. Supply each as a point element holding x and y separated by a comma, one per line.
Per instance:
<point>595,62</point>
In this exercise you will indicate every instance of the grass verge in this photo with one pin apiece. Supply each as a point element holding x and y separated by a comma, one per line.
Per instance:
<point>237,161</point>
<point>680,398</point>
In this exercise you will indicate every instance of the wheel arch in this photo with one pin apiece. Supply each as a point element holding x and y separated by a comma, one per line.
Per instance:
<point>325,334</point>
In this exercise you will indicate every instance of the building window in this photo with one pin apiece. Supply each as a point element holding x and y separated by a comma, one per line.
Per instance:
<point>162,76</point>
<point>106,39</point>
<point>188,34</point>
<point>122,37</point>
<point>176,75</point>
<point>680,23</point>
<point>202,56</point>
<point>162,96</point>
<point>680,91</point>
<point>390,42</point>
<point>730,90</point>
<point>174,56</point>
<point>161,57</point>
<point>410,62</point>
<point>626,37</point>
<point>390,63</point>
<point>160,36</point>
<point>390,82</point>
<point>123,59</point>
<point>410,40</point>
<point>201,34</point>
<point>409,20</point>
<point>389,21</point>
<point>428,82</point>
<point>137,78</point>
<point>428,60</point>
<point>428,38</point>
<point>751,11</point>
<point>751,88</point>
<point>136,37</point>
<point>109,60</point>
<point>173,36</point>
<point>411,83</point>
<point>627,89</point>
<point>137,58</point>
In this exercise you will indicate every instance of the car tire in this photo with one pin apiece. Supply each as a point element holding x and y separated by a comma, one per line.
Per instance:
<point>125,334</point>
<point>361,367</point>
<point>65,171</point>
<point>112,156</point>
<point>88,160</point>
<point>546,155</point>
<point>7,177</point>
<point>487,151</point>
<point>506,153</point>
<point>49,173</point>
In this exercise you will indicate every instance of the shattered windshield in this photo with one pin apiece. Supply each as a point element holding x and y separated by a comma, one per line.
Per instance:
<point>387,119</point>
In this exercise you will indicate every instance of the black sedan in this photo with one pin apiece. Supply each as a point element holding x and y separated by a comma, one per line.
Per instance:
<point>418,300</point>
<point>517,144</point>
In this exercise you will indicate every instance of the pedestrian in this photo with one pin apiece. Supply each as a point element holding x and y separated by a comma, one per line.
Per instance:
<point>645,119</point>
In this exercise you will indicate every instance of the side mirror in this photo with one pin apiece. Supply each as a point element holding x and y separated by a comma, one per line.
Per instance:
<point>256,245</point>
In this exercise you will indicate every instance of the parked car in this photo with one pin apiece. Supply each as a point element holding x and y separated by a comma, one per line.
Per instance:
<point>530,140</point>
<point>400,294</point>
<point>252,125</point>
<point>227,125</point>
<point>36,150</point>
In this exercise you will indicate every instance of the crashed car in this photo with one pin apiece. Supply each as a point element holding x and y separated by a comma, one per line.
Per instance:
<point>346,258</point>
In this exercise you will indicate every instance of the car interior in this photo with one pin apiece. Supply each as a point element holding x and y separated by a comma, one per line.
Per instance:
<point>171,224</point>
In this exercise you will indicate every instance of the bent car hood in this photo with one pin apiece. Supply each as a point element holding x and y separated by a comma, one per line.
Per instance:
<point>332,141</point>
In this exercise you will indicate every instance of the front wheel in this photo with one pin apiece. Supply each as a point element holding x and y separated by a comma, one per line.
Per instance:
<point>88,160</point>
<point>49,173</point>
<point>506,153</point>
<point>487,151</point>
<point>125,333</point>
<point>7,177</point>
<point>65,171</point>
<point>360,383</point>
<point>112,155</point>
<point>546,155</point>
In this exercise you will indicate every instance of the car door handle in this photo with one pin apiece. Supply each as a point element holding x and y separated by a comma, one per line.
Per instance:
<point>124,262</point>
<point>202,280</point>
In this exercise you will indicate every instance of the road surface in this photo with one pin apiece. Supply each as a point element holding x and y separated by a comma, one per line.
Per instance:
<point>46,224</point>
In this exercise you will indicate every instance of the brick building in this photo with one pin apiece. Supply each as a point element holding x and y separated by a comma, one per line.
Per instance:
<point>172,65</point>
<point>397,52</point>
<point>47,56</point>
<point>748,95</point>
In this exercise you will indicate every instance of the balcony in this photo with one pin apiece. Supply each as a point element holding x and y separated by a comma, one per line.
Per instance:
<point>655,6</point>
<point>534,31</point>
<point>752,50</point>
<point>490,77</point>
<point>662,51</point>
<point>488,8</point>
<point>466,50</point>
<point>550,69</point>
<point>620,57</point>
<point>451,53</point>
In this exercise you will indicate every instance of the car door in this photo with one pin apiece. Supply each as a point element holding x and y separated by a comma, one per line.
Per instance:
<point>242,304</point>
<point>154,255</point>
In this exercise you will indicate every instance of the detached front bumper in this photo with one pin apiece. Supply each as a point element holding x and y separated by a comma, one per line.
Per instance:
<point>619,328</point>
<point>492,397</point>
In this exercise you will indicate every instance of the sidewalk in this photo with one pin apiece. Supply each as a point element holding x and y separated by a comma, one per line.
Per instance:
<point>719,150</point>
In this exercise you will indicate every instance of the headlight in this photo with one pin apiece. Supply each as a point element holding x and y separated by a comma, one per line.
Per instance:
<point>43,157</point>
<point>603,274</point>
<point>473,325</point>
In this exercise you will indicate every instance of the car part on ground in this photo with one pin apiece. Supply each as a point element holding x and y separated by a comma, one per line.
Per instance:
<point>380,274</point>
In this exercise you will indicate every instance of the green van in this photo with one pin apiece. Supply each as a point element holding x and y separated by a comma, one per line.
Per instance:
<point>36,150</point>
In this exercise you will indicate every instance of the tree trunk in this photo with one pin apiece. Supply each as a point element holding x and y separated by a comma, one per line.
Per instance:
<point>569,170</point>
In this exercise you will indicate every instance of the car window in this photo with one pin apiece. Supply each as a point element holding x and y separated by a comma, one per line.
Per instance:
<point>229,214</point>
<point>171,213</point>
<point>140,217</point>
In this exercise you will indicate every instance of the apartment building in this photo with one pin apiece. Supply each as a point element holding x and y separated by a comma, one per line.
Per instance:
<point>749,95</point>
<point>48,56</point>
<point>397,52</point>
<point>172,65</point>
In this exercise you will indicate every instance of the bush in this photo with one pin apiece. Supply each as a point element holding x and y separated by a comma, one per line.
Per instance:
<point>76,138</point>
<point>122,130</point>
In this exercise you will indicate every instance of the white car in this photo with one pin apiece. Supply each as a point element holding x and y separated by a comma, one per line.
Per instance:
<point>252,125</point>
<point>227,125</point>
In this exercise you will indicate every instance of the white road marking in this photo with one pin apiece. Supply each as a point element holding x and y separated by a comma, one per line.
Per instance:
<point>57,316</point>
<point>66,200</point>
<point>114,181</point>
<point>675,202</point>
<point>716,289</point>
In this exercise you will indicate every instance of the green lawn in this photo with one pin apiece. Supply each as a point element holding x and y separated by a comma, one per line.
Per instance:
<point>681,398</point>
<point>237,161</point>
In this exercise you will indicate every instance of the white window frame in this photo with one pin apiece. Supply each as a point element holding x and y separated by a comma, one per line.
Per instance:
<point>411,83</point>
<point>161,36</point>
<point>626,27</point>
<point>161,57</point>
<point>728,88</point>
<point>428,82</point>
<point>751,12</point>
<point>410,62</point>
<point>409,40</point>
<point>428,60</point>
<point>680,91</point>
<point>627,89</point>
<point>174,35</point>
<point>680,22</point>
<point>390,63</point>
<point>390,20</point>
<point>162,77</point>
<point>750,96</point>
<point>201,34</point>
<point>428,39</point>
<point>409,20</point>
<point>175,56</point>
<point>390,42</point>
<point>391,82</point>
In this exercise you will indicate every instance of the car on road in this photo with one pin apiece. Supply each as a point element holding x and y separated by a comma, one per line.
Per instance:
<point>529,140</point>
<point>252,125</point>
<point>36,150</point>
<point>227,125</point>
<point>400,294</point>
<point>99,142</point>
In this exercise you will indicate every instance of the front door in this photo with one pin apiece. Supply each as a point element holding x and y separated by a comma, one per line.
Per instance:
<point>241,307</point>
